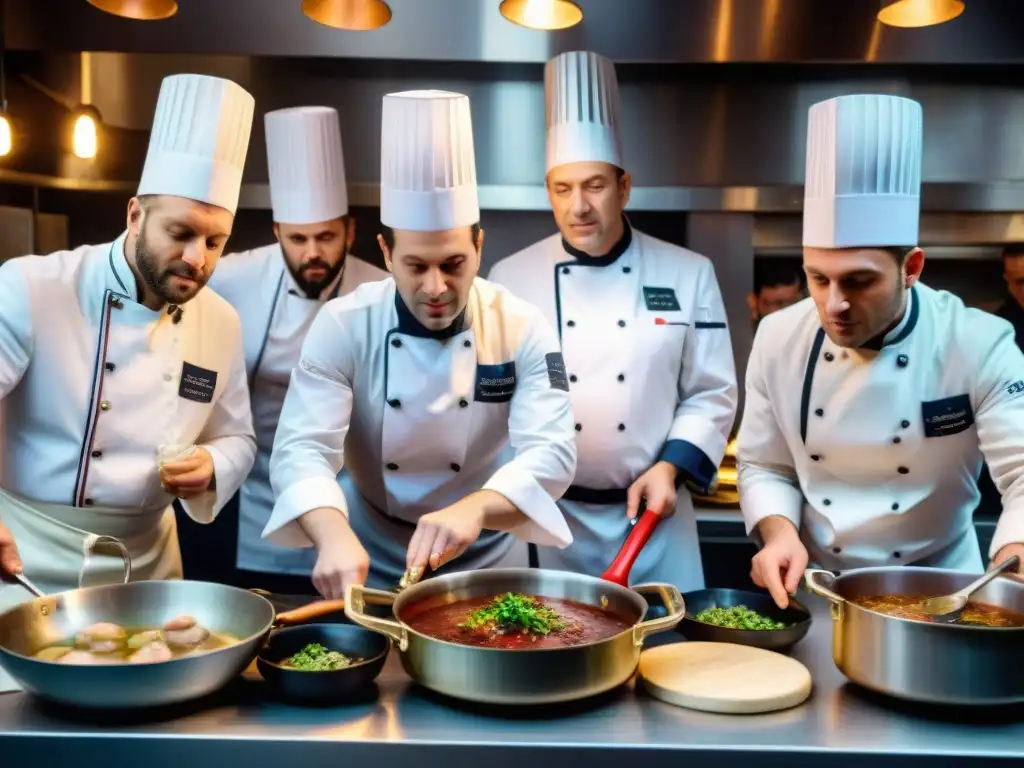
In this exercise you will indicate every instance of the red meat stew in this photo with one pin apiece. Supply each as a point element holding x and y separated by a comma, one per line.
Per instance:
<point>513,621</point>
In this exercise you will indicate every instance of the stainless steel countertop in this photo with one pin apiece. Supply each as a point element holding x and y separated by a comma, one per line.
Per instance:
<point>403,722</point>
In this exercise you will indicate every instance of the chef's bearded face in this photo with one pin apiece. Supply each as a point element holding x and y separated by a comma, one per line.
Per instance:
<point>315,253</point>
<point>860,292</point>
<point>177,243</point>
<point>588,200</point>
<point>434,271</point>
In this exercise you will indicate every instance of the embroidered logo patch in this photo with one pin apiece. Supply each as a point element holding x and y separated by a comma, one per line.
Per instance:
<point>1015,389</point>
<point>660,299</point>
<point>197,383</point>
<point>495,383</point>
<point>948,416</point>
<point>557,377</point>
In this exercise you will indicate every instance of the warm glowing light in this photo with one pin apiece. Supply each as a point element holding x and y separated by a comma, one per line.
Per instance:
<point>6,141</point>
<point>140,10</point>
<point>357,15</point>
<point>542,14</point>
<point>85,137</point>
<point>919,13</point>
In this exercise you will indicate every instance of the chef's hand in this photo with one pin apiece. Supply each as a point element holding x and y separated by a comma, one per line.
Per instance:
<point>189,477</point>
<point>658,486</point>
<point>442,536</point>
<point>1006,553</point>
<point>341,559</point>
<point>781,563</point>
<point>10,561</point>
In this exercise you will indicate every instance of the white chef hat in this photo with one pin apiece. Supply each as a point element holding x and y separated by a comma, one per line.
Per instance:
<point>199,140</point>
<point>427,163</point>
<point>306,165</point>
<point>582,95</point>
<point>863,179</point>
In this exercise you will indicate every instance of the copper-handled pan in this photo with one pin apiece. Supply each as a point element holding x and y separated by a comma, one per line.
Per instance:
<point>527,676</point>
<point>246,617</point>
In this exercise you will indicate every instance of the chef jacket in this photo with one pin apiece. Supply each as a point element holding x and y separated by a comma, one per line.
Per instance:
<point>92,383</point>
<point>652,377</point>
<point>276,315</point>
<point>874,453</point>
<point>360,399</point>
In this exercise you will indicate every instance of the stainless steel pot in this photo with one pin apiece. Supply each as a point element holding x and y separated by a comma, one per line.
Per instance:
<point>48,620</point>
<point>918,660</point>
<point>497,676</point>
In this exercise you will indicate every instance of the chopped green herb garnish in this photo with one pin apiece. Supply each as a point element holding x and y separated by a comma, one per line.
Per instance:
<point>738,617</point>
<point>316,658</point>
<point>513,611</point>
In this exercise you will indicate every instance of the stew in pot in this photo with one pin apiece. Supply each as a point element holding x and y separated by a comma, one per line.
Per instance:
<point>513,621</point>
<point>912,607</point>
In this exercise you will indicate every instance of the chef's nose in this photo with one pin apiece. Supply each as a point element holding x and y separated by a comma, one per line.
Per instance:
<point>433,283</point>
<point>837,301</point>
<point>579,202</point>
<point>195,255</point>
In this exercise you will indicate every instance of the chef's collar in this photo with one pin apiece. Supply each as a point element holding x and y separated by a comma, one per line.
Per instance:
<point>329,292</point>
<point>410,326</point>
<point>902,329</point>
<point>609,258</point>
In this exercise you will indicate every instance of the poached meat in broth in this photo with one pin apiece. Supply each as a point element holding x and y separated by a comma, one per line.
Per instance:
<point>107,643</point>
<point>513,621</point>
<point>912,607</point>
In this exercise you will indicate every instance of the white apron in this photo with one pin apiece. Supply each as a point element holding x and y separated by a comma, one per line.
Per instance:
<point>52,540</point>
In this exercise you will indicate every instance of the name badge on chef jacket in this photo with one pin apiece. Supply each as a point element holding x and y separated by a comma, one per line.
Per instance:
<point>948,416</point>
<point>661,299</point>
<point>495,383</point>
<point>197,383</point>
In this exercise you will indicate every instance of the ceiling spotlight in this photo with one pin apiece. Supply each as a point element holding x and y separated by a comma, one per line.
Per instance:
<point>141,10</point>
<point>919,13</point>
<point>542,14</point>
<point>358,15</point>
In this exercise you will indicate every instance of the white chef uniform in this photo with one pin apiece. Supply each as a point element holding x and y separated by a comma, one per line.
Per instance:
<point>370,372</point>
<point>307,186</point>
<point>874,453</point>
<point>93,383</point>
<point>646,346</point>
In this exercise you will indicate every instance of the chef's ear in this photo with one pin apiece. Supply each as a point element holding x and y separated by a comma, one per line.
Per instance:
<point>480,241</point>
<point>386,251</point>
<point>135,214</point>
<point>625,186</point>
<point>350,233</point>
<point>913,265</point>
<point>277,232</point>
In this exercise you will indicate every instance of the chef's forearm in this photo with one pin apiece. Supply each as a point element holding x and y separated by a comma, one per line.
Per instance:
<point>497,513</point>
<point>323,525</point>
<point>776,526</point>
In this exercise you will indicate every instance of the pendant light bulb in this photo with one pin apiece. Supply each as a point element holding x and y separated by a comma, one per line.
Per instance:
<point>919,13</point>
<point>140,10</point>
<point>542,14</point>
<point>354,15</point>
<point>85,133</point>
<point>6,137</point>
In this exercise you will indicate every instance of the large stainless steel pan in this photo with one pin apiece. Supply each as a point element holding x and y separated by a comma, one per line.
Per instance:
<point>917,660</point>
<point>245,616</point>
<point>498,676</point>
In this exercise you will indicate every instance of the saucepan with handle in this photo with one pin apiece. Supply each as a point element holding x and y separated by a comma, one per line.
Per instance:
<point>243,619</point>
<point>528,675</point>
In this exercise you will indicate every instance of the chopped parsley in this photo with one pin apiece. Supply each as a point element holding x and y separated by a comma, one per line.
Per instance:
<point>515,612</point>
<point>738,617</point>
<point>316,658</point>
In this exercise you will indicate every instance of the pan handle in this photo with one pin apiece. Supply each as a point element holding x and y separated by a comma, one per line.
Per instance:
<point>674,603</point>
<point>355,608</point>
<point>618,571</point>
<point>90,544</point>
<point>304,613</point>
<point>820,582</point>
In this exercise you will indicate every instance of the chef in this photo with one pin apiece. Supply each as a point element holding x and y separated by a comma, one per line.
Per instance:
<point>645,340</point>
<point>451,392</point>
<point>122,380</point>
<point>277,290</point>
<point>778,283</point>
<point>871,404</point>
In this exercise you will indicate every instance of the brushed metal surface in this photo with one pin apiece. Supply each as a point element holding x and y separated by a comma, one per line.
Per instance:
<point>921,661</point>
<point>36,624</point>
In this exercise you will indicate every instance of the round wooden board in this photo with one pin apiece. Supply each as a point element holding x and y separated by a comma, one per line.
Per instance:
<point>724,677</point>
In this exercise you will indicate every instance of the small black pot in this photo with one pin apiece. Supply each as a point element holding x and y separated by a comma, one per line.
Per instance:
<point>796,615</point>
<point>320,688</point>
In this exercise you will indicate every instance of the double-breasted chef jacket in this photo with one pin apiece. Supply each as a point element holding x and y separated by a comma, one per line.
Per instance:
<point>874,453</point>
<point>370,372</point>
<point>93,383</point>
<point>276,315</point>
<point>652,377</point>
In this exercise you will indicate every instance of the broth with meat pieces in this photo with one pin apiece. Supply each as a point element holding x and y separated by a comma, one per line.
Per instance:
<point>912,607</point>
<point>108,643</point>
<point>513,621</point>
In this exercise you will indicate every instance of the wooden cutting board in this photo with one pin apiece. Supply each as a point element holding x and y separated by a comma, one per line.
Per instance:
<point>724,677</point>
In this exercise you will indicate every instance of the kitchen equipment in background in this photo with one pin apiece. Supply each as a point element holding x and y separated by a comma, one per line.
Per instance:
<point>21,232</point>
<point>796,616</point>
<point>727,494</point>
<point>725,678</point>
<point>922,661</point>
